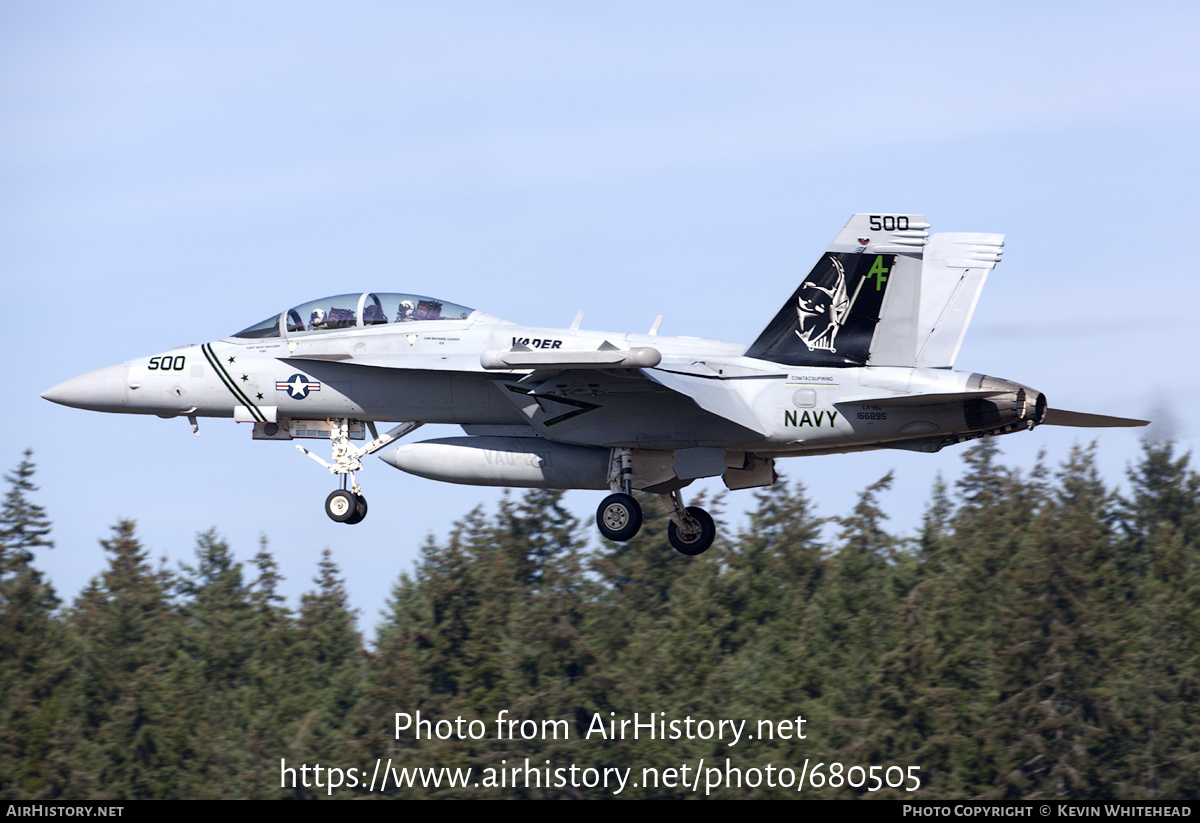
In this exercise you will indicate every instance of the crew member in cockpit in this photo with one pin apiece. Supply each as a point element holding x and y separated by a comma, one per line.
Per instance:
<point>373,315</point>
<point>405,311</point>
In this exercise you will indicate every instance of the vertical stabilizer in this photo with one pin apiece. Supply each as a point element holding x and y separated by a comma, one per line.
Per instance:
<point>844,312</point>
<point>952,277</point>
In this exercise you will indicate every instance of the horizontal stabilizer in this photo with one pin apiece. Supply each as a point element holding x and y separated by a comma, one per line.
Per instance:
<point>1083,420</point>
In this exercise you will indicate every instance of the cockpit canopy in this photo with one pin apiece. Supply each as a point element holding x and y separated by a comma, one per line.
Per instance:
<point>354,310</point>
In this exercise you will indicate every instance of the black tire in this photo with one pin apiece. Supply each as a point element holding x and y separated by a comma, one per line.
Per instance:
<point>341,505</point>
<point>360,510</point>
<point>697,542</point>
<point>619,517</point>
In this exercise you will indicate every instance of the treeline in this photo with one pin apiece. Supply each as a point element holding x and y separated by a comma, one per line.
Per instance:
<point>1039,638</point>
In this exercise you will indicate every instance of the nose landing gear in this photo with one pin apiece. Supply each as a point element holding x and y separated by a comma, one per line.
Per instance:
<point>348,505</point>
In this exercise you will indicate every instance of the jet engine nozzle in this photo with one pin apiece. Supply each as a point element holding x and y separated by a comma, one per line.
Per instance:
<point>1013,407</point>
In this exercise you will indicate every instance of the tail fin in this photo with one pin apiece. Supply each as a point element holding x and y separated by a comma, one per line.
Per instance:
<point>839,314</point>
<point>953,274</point>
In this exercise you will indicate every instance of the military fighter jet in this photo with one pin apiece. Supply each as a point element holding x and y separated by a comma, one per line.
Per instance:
<point>860,356</point>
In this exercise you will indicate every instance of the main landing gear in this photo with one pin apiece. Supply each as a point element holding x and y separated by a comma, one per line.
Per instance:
<point>347,505</point>
<point>691,530</point>
<point>619,517</point>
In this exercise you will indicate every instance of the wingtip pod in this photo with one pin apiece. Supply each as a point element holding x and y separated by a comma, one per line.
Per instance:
<point>1083,420</point>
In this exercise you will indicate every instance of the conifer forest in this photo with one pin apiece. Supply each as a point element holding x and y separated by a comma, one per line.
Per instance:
<point>1038,637</point>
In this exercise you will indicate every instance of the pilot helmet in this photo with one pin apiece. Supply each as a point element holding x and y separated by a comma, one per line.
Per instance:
<point>317,318</point>
<point>406,310</point>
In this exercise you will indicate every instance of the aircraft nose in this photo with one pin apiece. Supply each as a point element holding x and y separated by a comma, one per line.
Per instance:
<point>100,390</point>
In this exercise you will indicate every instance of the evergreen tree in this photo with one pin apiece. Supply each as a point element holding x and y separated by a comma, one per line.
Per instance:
<point>276,700</point>
<point>331,657</point>
<point>921,714</point>
<point>23,523</point>
<point>431,614</point>
<point>31,665</point>
<point>847,627</point>
<point>1055,727</point>
<point>492,621</point>
<point>1163,500</point>
<point>545,659</point>
<point>125,635</point>
<point>217,613</point>
<point>216,645</point>
<point>1157,683</point>
<point>636,582</point>
<point>933,704</point>
<point>1036,638</point>
<point>851,620</point>
<point>776,566</point>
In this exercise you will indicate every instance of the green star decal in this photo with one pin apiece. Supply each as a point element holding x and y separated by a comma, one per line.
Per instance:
<point>245,378</point>
<point>259,396</point>
<point>232,359</point>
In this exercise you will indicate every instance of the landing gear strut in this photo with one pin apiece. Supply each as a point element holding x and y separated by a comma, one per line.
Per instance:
<point>620,516</point>
<point>349,505</point>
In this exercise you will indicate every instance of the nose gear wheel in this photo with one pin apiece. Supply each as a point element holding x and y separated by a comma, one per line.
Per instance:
<point>343,506</point>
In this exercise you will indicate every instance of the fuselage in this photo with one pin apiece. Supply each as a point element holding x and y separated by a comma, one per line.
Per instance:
<point>703,393</point>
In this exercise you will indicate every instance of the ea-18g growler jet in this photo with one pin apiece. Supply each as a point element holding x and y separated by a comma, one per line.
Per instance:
<point>860,356</point>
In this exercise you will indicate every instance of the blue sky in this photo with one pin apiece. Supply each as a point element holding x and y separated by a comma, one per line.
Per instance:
<point>173,173</point>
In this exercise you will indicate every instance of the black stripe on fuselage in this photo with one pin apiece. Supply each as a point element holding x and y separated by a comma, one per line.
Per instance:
<point>237,393</point>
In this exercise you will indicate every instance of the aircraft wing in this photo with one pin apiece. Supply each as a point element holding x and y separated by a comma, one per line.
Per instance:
<point>640,408</point>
